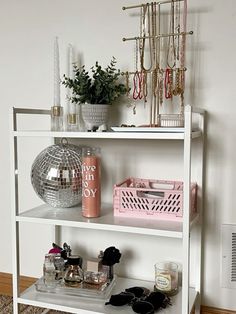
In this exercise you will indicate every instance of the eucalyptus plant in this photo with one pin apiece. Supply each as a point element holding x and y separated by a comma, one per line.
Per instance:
<point>102,87</point>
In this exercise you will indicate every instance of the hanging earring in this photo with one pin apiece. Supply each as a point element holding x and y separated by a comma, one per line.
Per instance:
<point>168,83</point>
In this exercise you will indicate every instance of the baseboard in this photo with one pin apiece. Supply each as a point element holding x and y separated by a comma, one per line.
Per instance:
<point>25,282</point>
<point>6,283</point>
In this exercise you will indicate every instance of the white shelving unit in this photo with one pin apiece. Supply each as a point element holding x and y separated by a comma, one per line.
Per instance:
<point>44,214</point>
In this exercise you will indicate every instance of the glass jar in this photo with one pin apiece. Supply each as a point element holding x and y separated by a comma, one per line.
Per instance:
<point>95,278</point>
<point>73,274</point>
<point>166,277</point>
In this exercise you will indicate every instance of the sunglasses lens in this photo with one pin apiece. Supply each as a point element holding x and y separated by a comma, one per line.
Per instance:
<point>120,299</point>
<point>143,307</point>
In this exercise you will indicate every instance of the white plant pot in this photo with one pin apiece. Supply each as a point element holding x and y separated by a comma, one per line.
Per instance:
<point>94,115</point>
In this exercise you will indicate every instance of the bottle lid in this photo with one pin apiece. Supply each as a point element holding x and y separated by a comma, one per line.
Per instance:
<point>74,260</point>
<point>91,151</point>
<point>101,254</point>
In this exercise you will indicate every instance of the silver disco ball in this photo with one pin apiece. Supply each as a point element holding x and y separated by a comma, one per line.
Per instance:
<point>56,175</point>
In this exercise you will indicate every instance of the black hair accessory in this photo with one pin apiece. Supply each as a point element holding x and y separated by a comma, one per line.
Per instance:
<point>143,307</point>
<point>111,256</point>
<point>139,292</point>
<point>120,299</point>
<point>141,300</point>
<point>158,299</point>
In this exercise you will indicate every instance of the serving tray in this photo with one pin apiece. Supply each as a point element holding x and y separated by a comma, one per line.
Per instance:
<point>102,291</point>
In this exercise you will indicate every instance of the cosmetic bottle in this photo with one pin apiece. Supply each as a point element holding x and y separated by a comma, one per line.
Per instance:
<point>59,264</point>
<point>49,272</point>
<point>91,182</point>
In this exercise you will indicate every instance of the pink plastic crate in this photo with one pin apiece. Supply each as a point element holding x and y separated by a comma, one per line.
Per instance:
<point>155,199</point>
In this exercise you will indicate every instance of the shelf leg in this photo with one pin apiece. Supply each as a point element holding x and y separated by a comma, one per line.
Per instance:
<point>14,212</point>
<point>186,209</point>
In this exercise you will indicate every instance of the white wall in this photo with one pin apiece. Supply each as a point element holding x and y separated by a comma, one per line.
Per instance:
<point>95,28</point>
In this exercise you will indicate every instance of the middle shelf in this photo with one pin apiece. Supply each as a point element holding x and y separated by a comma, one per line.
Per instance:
<point>72,217</point>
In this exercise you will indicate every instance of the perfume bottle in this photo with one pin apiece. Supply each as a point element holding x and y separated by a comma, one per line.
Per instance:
<point>91,182</point>
<point>74,273</point>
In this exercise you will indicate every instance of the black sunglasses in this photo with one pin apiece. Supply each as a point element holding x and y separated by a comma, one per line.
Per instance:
<point>141,300</point>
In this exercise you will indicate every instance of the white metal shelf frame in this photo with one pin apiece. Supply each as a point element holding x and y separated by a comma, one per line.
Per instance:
<point>186,136</point>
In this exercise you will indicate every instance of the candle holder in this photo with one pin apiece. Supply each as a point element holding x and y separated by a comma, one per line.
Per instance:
<point>73,118</point>
<point>56,118</point>
<point>72,122</point>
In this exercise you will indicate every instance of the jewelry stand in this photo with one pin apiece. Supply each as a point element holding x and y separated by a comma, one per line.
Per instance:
<point>160,60</point>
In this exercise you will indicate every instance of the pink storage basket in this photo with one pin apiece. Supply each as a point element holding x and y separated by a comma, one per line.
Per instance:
<point>155,199</point>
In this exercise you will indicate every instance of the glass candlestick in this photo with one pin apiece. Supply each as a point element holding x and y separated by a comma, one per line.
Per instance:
<point>72,122</point>
<point>56,118</point>
<point>73,117</point>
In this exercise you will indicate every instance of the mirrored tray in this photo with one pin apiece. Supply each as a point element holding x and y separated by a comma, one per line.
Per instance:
<point>84,290</point>
<point>149,129</point>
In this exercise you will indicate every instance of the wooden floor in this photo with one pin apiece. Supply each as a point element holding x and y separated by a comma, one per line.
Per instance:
<point>6,283</point>
<point>211,310</point>
<point>25,282</point>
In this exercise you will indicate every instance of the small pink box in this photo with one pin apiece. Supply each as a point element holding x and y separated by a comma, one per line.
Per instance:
<point>154,199</point>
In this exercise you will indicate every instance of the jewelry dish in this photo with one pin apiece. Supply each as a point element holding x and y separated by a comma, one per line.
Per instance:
<point>148,129</point>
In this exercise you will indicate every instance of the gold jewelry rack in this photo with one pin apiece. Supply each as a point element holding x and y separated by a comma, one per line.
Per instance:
<point>155,3</point>
<point>159,36</point>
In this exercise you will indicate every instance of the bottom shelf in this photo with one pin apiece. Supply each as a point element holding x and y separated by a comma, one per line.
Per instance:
<point>83,305</point>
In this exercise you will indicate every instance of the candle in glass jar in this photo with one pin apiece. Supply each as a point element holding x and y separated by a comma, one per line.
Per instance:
<point>166,277</point>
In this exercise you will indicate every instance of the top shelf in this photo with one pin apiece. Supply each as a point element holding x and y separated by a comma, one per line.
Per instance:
<point>161,133</point>
<point>109,135</point>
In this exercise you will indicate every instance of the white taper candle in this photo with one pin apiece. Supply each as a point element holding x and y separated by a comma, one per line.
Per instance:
<point>71,75</point>
<point>71,61</point>
<point>57,98</point>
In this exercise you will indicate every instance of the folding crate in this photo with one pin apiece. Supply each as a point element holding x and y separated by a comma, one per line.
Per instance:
<point>155,199</point>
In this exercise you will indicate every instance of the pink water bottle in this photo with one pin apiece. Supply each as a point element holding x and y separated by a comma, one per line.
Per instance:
<point>91,182</point>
